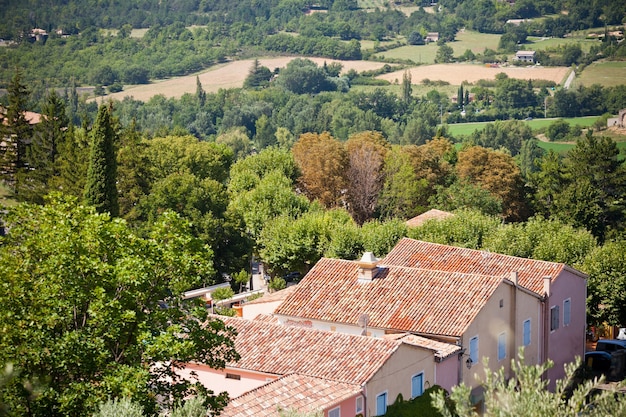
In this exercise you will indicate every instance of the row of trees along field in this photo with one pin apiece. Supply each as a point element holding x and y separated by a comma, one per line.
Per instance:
<point>185,37</point>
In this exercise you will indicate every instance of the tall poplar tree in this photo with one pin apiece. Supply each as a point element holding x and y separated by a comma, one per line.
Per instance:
<point>101,189</point>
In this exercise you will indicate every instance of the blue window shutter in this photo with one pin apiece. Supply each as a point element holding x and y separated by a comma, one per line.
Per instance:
<point>527,332</point>
<point>417,385</point>
<point>381,404</point>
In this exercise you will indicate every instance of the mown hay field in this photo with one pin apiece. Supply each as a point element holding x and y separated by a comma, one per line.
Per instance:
<point>229,75</point>
<point>456,74</point>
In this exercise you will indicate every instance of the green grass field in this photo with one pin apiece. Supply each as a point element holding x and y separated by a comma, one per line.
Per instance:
<point>425,54</point>
<point>605,73</point>
<point>464,129</point>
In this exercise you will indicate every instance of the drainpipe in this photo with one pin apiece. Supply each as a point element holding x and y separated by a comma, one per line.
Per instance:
<point>547,283</point>
<point>514,279</point>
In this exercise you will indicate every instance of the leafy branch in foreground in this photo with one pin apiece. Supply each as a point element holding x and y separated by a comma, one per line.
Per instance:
<point>527,394</point>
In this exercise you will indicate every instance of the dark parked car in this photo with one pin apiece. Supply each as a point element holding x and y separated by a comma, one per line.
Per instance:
<point>610,345</point>
<point>292,276</point>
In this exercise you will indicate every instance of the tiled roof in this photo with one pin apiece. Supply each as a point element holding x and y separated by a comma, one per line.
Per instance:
<point>426,255</point>
<point>280,350</point>
<point>292,392</point>
<point>429,215</point>
<point>442,350</point>
<point>269,297</point>
<point>399,298</point>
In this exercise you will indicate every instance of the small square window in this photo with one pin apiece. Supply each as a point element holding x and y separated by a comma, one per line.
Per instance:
<point>335,412</point>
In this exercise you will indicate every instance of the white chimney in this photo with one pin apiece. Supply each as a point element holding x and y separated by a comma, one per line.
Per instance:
<point>514,278</point>
<point>547,282</point>
<point>368,267</point>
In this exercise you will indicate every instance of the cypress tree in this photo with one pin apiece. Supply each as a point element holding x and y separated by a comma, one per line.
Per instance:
<point>101,188</point>
<point>17,132</point>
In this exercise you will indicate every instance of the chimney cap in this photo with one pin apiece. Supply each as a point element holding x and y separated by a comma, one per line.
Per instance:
<point>368,257</point>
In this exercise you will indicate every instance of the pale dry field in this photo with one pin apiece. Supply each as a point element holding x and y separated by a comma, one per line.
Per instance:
<point>230,75</point>
<point>456,74</point>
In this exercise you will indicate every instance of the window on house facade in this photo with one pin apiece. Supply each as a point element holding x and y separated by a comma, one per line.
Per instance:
<point>335,412</point>
<point>359,406</point>
<point>567,311</point>
<point>417,385</point>
<point>473,350</point>
<point>554,318</point>
<point>381,404</point>
<point>233,376</point>
<point>526,338</point>
<point>501,346</point>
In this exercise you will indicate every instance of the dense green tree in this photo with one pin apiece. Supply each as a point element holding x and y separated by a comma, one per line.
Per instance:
<point>258,76</point>
<point>508,134</point>
<point>73,163</point>
<point>548,182</point>
<point>296,244</point>
<point>247,173</point>
<point>403,195</point>
<point>558,130</point>
<point>133,173</point>
<point>462,194</point>
<point>606,267</point>
<point>95,290</point>
<point>379,237</point>
<point>529,156</point>
<point>101,186</point>
<point>593,197</point>
<point>512,93</point>
<point>303,76</point>
<point>544,239</point>
<point>270,197</point>
<point>467,228</point>
<point>445,54</point>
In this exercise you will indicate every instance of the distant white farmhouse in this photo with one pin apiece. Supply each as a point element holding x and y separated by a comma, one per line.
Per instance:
<point>525,56</point>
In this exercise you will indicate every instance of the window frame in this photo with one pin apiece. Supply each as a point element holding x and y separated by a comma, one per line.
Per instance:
<point>473,353</point>
<point>337,409</point>
<point>526,341</point>
<point>383,394</point>
<point>502,346</point>
<point>421,387</point>
<point>554,318</point>
<point>358,400</point>
<point>567,312</point>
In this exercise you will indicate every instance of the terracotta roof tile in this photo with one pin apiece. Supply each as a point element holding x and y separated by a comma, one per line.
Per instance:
<point>442,350</point>
<point>426,255</point>
<point>280,350</point>
<point>298,392</point>
<point>273,296</point>
<point>432,214</point>
<point>399,298</point>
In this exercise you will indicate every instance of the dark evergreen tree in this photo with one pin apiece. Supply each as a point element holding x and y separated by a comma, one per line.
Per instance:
<point>72,163</point>
<point>17,132</point>
<point>43,152</point>
<point>101,188</point>
<point>200,93</point>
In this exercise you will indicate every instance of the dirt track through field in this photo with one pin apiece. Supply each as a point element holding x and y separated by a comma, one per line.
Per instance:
<point>230,75</point>
<point>455,74</point>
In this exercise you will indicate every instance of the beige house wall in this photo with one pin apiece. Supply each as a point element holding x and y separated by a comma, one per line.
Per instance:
<point>395,376</point>
<point>505,312</point>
